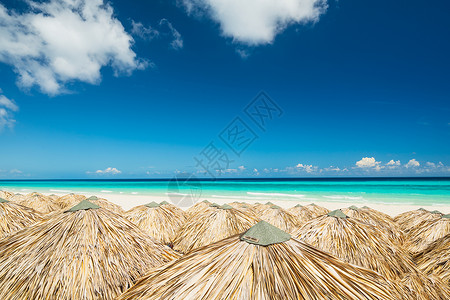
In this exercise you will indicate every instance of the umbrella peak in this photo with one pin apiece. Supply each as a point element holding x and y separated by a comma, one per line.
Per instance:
<point>206,201</point>
<point>226,206</point>
<point>3,200</point>
<point>83,205</point>
<point>436,212</point>
<point>275,207</point>
<point>265,234</point>
<point>353,207</point>
<point>337,214</point>
<point>422,209</point>
<point>214,205</point>
<point>92,198</point>
<point>164,203</point>
<point>298,205</point>
<point>269,203</point>
<point>365,207</point>
<point>152,204</point>
<point>313,204</point>
<point>447,216</point>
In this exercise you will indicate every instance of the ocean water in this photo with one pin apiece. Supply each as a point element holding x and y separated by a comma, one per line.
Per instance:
<point>360,191</point>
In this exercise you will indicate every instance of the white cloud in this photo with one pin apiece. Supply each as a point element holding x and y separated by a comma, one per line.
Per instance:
<point>256,22</point>
<point>412,163</point>
<point>306,168</point>
<point>59,41</point>
<point>241,168</point>
<point>393,163</point>
<point>165,28</point>
<point>368,162</point>
<point>107,171</point>
<point>7,109</point>
<point>15,171</point>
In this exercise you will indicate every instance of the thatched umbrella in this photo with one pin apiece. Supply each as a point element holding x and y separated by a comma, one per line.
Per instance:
<point>15,217</point>
<point>357,243</point>
<point>212,225</point>
<point>302,213</point>
<point>416,286</point>
<point>181,214</point>
<point>38,202</point>
<point>17,197</point>
<point>410,220</point>
<point>106,204</point>
<point>426,233</point>
<point>317,210</point>
<point>386,225</point>
<point>69,200</point>
<point>6,195</point>
<point>197,207</point>
<point>280,218</point>
<point>378,213</point>
<point>159,221</point>
<point>262,263</point>
<point>259,208</point>
<point>435,259</point>
<point>88,252</point>
<point>53,197</point>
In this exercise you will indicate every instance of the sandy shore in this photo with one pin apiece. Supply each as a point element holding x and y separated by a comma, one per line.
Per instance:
<point>129,201</point>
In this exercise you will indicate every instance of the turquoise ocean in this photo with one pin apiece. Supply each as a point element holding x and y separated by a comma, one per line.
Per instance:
<point>407,191</point>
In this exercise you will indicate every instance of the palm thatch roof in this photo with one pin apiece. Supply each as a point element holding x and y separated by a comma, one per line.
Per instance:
<point>411,219</point>
<point>6,195</point>
<point>416,286</point>
<point>212,225</point>
<point>197,207</point>
<point>174,209</point>
<point>69,200</point>
<point>358,243</point>
<point>317,210</point>
<point>159,221</point>
<point>377,220</point>
<point>88,252</point>
<point>419,238</point>
<point>38,202</point>
<point>53,197</point>
<point>262,263</point>
<point>106,204</point>
<point>435,259</point>
<point>302,213</point>
<point>280,218</point>
<point>15,217</point>
<point>242,205</point>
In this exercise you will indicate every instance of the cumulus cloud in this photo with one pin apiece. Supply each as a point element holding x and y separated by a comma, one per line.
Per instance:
<point>368,162</point>
<point>7,109</point>
<point>165,29</point>
<point>58,41</point>
<point>412,163</point>
<point>256,22</point>
<point>107,171</point>
<point>306,168</point>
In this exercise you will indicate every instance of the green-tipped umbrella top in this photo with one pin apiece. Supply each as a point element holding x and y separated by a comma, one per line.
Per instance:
<point>275,207</point>
<point>226,206</point>
<point>269,203</point>
<point>3,200</point>
<point>164,203</point>
<point>206,201</point>
<point>152,204</point>
<point>436,212</point>
<point>365,207</point>
<point>447,216</point>
<point>265,234</point>
<point>83,205</point>
<point>214,205</point>
<point>92,198</point>
<point>422,209</point>
<point>354,207</point>
<point>337,214</point>
<point>298,205</point>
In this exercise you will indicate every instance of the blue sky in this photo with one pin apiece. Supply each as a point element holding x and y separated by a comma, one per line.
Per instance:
<point>96,91</point>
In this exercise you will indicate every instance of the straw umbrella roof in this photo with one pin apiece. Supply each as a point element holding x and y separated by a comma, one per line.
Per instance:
<point>416,286</point>
<point>88,252</point>
<point>302,213</point>
<point>69,200</point>
<point>53,197</point>
<point>262,263</point>
<point>212,225</point>
<point>411,219</point>
<point>317,210</point>
<point>427,232</point>
<point>159,221</point>
<point>197,207</point>
<point>38,202</point>
<point>174,209</point>
<point>6,195</point>
<point>435,259</point>
<point>377,220</point>
<point>358,243</point>
<point>107,204</point>
<point>280,218</point>
<point>15,217</point>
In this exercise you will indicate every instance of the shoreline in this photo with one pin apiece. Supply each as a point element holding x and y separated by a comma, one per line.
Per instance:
<point>127,202</point>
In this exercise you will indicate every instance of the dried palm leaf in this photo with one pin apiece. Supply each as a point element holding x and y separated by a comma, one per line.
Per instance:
<point>6,195</point>
<point>174,209</point>
<point>426,233</point>
<point>374,219</point>
<point>358,243</point>
<point>280,218</point>
<point>196,208</point>
<point>87,253</point>
<point>435,259</point>
<point>416,286</point>
<point>14,217</point>
<point>317,210</point>
<point>38,202</point>
<point>69,200</point>
<point>53,197</point>
<point>301,213</point>
<point>159,221</point>
<point>106,204</point>
<point>212,225</point>
<point>264,263</point>
<point>410,220</point>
